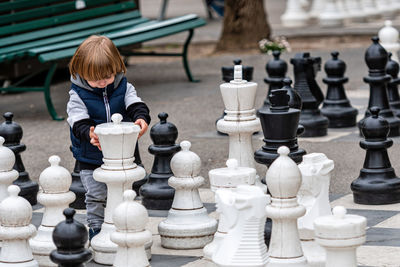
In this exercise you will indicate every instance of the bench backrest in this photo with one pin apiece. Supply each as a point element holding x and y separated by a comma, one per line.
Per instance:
<point>19,17</point>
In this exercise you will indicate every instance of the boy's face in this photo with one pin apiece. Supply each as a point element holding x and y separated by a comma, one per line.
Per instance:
<point>103,82</point>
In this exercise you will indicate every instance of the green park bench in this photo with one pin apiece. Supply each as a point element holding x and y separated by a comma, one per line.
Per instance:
<point>49,31</point>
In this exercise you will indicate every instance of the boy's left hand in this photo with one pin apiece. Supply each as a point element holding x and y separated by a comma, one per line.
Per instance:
<point>143,126</point>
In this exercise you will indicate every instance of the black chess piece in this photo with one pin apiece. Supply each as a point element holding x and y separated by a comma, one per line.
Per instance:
<point>77,187</point>
<point>276,69</point>
<point>12,133</point>
<point>156,193</point>
<point>336,106</point>
<point>305,70</point>
<point>227,76</point>
<point>70,238</point>
<point>377,183</point>
<point>280,125</point>
<point>392,68</point>
<point>376,58</point>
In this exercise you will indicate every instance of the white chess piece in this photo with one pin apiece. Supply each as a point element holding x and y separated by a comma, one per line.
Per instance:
<point>117,140</point>
<point>55,197</point>
<point>130,219</point>
<point>7,173</point>
<point>340,234</point>
<point>283,181</point>
<point>389,39</point>
<point>240,121</point>
<point>295,15</point>
<point>331,15</point>
<point>316,171</point>
<point>243,211</point>
<point>188,225</point>
<point>15,230</point>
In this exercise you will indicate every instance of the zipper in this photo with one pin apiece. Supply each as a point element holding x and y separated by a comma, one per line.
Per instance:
<point>107,105</point>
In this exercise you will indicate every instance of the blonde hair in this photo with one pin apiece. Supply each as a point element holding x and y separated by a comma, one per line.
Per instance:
<point>95,59</point>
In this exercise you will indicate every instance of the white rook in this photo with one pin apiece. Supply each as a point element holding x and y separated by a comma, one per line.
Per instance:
<point>118,141</point>
<point>240,121</point>
<point>188,225</point>
<point>283,181</point>
<point>340,234</point>
<point>55,197</point>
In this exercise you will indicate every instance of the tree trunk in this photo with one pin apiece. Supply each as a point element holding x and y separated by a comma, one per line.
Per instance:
<point>245,23</point>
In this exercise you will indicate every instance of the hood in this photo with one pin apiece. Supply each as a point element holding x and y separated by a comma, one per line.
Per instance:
<point>79,81</point>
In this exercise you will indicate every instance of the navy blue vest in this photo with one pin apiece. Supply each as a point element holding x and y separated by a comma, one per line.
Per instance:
<point>96,104</point>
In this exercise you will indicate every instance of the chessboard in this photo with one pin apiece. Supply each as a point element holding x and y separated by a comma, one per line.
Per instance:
<point>382,248</point>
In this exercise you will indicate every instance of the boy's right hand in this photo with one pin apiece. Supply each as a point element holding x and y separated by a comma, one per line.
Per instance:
<point>94,139</point>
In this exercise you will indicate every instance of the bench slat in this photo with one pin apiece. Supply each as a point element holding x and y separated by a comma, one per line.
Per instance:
<point>30,36</point>
<point>146,36</point>
<point>150,26</point>
<point>78,15</point>
<point>8,6</point>
<point>8,53</point>
<point>53,10</point>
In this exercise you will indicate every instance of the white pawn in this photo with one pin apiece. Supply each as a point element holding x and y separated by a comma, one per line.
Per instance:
<point>283,181</point>
<point>331,15</point>
<point>15,230</point>
<point>130,219</point>
<point>389,39</point>
<point>188,225</point>
<point>316,171</point>
<point>55,197</point>
<point>231,176</point>
<point>340,234</point>
<point>243,211</point>
<point>7,173</point>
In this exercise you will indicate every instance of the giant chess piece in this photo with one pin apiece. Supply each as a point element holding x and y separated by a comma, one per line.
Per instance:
<point>221,180</point>
<point>227,76</point>
<point>243,243</point>
<point>12,133</point>
<point>280,125</point>
<point>340,234</point>
<point>77,187</point>
<point>377,183</point>
<point>316,171</point>
<point>7,173</point>
<point>130,219</point>
<point>389,39</point>
<point>55,197</point>
<point>392,68</point>
<point>156,193</point>
<point>70,238</point>
<point>240,121</point>
<point>15,230</point>
<point>276,69</point>
<point>284,181</point>
<point>117,140</point>
<point>376,58</point>
<point>188,225</point>
<point>305,68</point>
<point>336,106</point>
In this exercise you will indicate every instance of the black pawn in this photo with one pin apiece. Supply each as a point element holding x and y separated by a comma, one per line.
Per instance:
<point>280,125</point>
<point>77,187</point>
<point>392,68</point>
<point>276,69</point>
<point>337,107</point>
<point>70,238</point>
<point>12,133</point>
<point>156,193</point>
<point>376,58</point>
<point>377,183</point>
<point>305,68</point>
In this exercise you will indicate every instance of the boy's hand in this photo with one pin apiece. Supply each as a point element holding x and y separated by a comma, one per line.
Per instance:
<point>143,126</point>
<point>94,139</point>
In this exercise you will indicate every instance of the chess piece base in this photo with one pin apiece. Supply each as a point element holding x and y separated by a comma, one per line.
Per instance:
<point>29,188</point>
<point>283,262</point>
<point>314,123</point>
<point>314,253</point>
<point>376,187</point>
<point>156,193</point>
<point>340,117</point>
<point>42,245</point>
<point>104,249</point>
